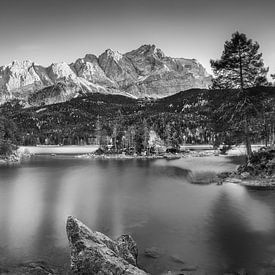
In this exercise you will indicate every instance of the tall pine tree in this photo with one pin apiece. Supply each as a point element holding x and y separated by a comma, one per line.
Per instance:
<point>240,67</point>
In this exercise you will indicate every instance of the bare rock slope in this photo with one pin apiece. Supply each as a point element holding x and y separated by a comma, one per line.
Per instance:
<point>143,72</point>
<point>95,253</point>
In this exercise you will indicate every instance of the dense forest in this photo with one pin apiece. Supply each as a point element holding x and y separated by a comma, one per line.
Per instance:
<point>188,117</point>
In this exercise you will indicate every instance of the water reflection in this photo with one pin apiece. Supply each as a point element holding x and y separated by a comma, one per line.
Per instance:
<point>240,228</point>
<point>216,227</point>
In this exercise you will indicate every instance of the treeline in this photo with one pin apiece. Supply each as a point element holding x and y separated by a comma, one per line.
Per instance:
<point>8,136</point>
<point>126,123</point>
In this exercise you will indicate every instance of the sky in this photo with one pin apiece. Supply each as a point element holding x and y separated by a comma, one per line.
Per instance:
<point>47,31</point>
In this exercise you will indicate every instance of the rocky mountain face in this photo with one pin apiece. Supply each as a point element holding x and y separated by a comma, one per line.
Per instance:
<point>145,72</point>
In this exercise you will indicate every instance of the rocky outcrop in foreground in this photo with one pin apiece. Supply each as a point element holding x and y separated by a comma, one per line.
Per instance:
<point>94,253</point>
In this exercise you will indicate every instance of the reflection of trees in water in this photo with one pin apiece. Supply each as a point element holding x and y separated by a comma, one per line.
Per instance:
<point>184,173</point>
<point>124,197</point>
<point>44,241</point>
<point>172,171</point>
<point>7,176</point>
<point>107,207</point>
<point>29,210</point>
<point>231,236</point>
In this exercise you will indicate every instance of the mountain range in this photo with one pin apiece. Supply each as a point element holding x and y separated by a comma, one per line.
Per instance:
<point>144,72</point>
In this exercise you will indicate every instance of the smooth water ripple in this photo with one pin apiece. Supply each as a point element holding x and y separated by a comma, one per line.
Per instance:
<point>214,227</point>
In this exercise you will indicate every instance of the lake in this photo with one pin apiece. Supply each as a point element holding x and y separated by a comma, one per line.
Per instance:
<point>218,228</point>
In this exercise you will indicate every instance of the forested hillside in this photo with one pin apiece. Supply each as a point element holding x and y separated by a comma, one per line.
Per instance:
<point>186,117</point>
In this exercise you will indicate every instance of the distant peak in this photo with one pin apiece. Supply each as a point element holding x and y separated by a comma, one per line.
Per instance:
<point>149,49</point>
<point>59,64</point>
<point>113,54</point>
<point>148,46</point>
<point>90,57</point>
<point>109,51</point>
<point>23,63</point>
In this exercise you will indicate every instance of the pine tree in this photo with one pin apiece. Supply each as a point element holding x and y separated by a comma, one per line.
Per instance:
<point>7,136</point>
<point>98,130</point>
<point>145,135</point>
<point>168,134</point>
<point>240,67</point>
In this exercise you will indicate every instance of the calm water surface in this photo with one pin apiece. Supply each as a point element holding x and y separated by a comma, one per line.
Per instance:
<point>217,228</point>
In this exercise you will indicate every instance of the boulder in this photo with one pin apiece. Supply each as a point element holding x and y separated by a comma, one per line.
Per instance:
<point>177,259</point>
<point>245,175</point>
<point>94,253</point>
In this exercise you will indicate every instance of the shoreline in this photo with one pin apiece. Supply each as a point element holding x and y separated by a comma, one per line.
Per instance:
<point>90,149</point>
<point>14,159</point>
<point>166,156</point>
<point>254,184</point>
<point>80,152</point>
<point>257,174</point>
<point>88,152</point>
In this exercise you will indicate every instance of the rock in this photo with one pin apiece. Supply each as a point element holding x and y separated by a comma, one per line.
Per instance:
<point>144,72</point>
<point>233,180</point>
<point>224,175</point>
<point>127,249</point>
<point>94,253</point>
<point>177,259</point>
<point>159,75</point>
<point>245,175</point>
<point>35,268</point>
<point>153,252</point>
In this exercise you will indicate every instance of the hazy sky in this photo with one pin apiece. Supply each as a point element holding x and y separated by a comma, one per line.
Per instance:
<point>47,31</point>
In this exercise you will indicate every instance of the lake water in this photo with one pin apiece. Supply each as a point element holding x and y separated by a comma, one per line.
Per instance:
<point>217,228</point>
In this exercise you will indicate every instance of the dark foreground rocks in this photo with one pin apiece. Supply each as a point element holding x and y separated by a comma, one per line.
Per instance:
<point>94,253</point>
<point>29,268</point>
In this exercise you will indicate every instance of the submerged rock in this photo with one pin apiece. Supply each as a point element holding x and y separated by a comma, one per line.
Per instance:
<point>94,253</point>
<point>153,252</point>
<point>177,259</point>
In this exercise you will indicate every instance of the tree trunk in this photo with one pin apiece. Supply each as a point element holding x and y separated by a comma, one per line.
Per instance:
<point>246,129</point>
<point>247,140</point>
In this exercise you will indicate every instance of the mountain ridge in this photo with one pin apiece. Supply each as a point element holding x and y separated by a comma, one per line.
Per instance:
<point>144,72</point>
